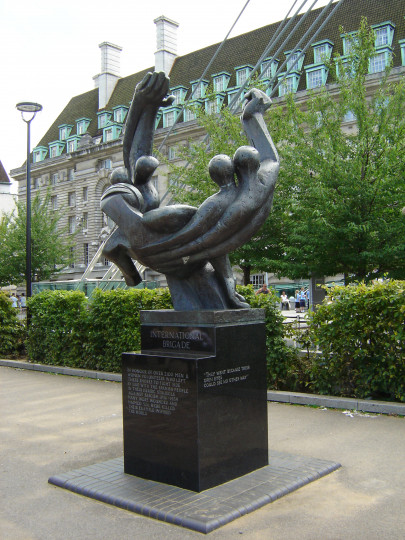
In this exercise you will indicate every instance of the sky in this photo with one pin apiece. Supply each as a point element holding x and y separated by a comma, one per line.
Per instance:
<point>49,50</point>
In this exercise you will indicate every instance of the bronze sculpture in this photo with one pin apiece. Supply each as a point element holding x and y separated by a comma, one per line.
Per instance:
<point>189,245</point>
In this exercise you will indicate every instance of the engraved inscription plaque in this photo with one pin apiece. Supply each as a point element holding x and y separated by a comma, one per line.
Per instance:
<point>154,391</point>
<point>178,338</point>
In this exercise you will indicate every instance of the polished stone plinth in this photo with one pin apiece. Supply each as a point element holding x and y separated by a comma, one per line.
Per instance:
<point>194,398</point>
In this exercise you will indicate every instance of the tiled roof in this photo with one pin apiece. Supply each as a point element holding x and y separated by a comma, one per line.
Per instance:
<point>4,179</point>
<point>244,49</point>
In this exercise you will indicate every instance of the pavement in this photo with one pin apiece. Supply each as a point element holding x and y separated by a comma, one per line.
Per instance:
<point>51,424</point>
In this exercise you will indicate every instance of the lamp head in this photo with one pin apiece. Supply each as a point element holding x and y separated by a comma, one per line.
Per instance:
<point>28,107</point>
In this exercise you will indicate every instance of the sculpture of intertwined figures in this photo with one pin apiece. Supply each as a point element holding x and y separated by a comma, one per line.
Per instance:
<point>189,245</point>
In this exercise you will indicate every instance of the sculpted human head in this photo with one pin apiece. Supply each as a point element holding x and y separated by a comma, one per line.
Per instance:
<point>144,168</point>
<point>222,170</point>
<point>246,158</point>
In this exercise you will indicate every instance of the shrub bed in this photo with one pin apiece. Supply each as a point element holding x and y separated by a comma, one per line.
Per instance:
<point>58,327</point>
<point>67,329</point>
<point>12,331</point>
<point>361,334</point>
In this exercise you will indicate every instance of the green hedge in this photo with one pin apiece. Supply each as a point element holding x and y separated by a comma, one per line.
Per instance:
<point>361,334</point>
<point>283,362</point>
<point>359,331</point>
<point>12,331</point>
<point>114,324</point>
<point>58,327</point>
<point>67,329</point>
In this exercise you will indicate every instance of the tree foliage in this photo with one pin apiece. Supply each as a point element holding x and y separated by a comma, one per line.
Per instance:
<point>50,244</point>
<point>344,190</point>
<point>337,206</point>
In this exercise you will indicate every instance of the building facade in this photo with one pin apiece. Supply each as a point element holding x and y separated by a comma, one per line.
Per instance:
<point>76,155</point>
<point>7,197</point>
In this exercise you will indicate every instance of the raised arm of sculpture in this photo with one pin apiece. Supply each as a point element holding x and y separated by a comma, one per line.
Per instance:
<point>149,95</point>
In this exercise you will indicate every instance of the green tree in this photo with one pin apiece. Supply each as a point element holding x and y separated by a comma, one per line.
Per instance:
<point>51,245</point>
<point>337,206</point>
<point>343,191</point>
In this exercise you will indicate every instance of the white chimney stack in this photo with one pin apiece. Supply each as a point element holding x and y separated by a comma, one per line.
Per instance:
<point>166,43</point>
<point>110,72</point>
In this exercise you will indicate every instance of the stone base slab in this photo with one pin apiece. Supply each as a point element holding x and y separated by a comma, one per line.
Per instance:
<point>202,512</point>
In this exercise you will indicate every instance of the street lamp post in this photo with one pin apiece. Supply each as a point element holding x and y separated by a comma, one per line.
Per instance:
<point>28,112</point>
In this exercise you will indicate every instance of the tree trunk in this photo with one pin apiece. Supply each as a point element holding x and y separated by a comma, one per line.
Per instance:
<point>246,274</point>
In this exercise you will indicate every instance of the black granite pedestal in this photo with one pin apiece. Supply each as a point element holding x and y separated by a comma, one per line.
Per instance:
<point>194,398</point>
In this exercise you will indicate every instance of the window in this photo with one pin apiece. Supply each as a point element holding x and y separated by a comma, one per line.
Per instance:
<point>292,61</point>
<point>71,257</point>
<point>221,81</point>
<point>219,84</point>
<point>232,95</point>
<point>103,119</point>
<point>54,179</point>
<point>85,194</point>
<point>268,68</point>
<point>179,94</point>
<point>39,153</point>
<point>71,146</point>
<point>242,74</point>
<point>107,262</point>
<point>54,202</point>
<point>198,89</point>
<point>349,117</point>
<point>381,36</point>
<point>314,78</point>
<point>108,135</point>
<point>104,164</point>
<point>120,114</point>
<point>189,114</point>
<point>86,254</point>
<point>81,125</point>
<point>213,106</point>
<point>64,131</point>
<point>320,54</point>
<point>257,280</point>
<point>172,152</point>
<point>378,63</point>
<point>155,182</point>
<point>111,133</point>
<point>169,118</point>
<point>322,51</point>
<point>35,183</point>
<point>72,224</point>
<point>384,34</point>
<point>71,174</point>
<point>349,41</point>
<point>72,198</point>
<point>288,85</point>
<point>56,148</point>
